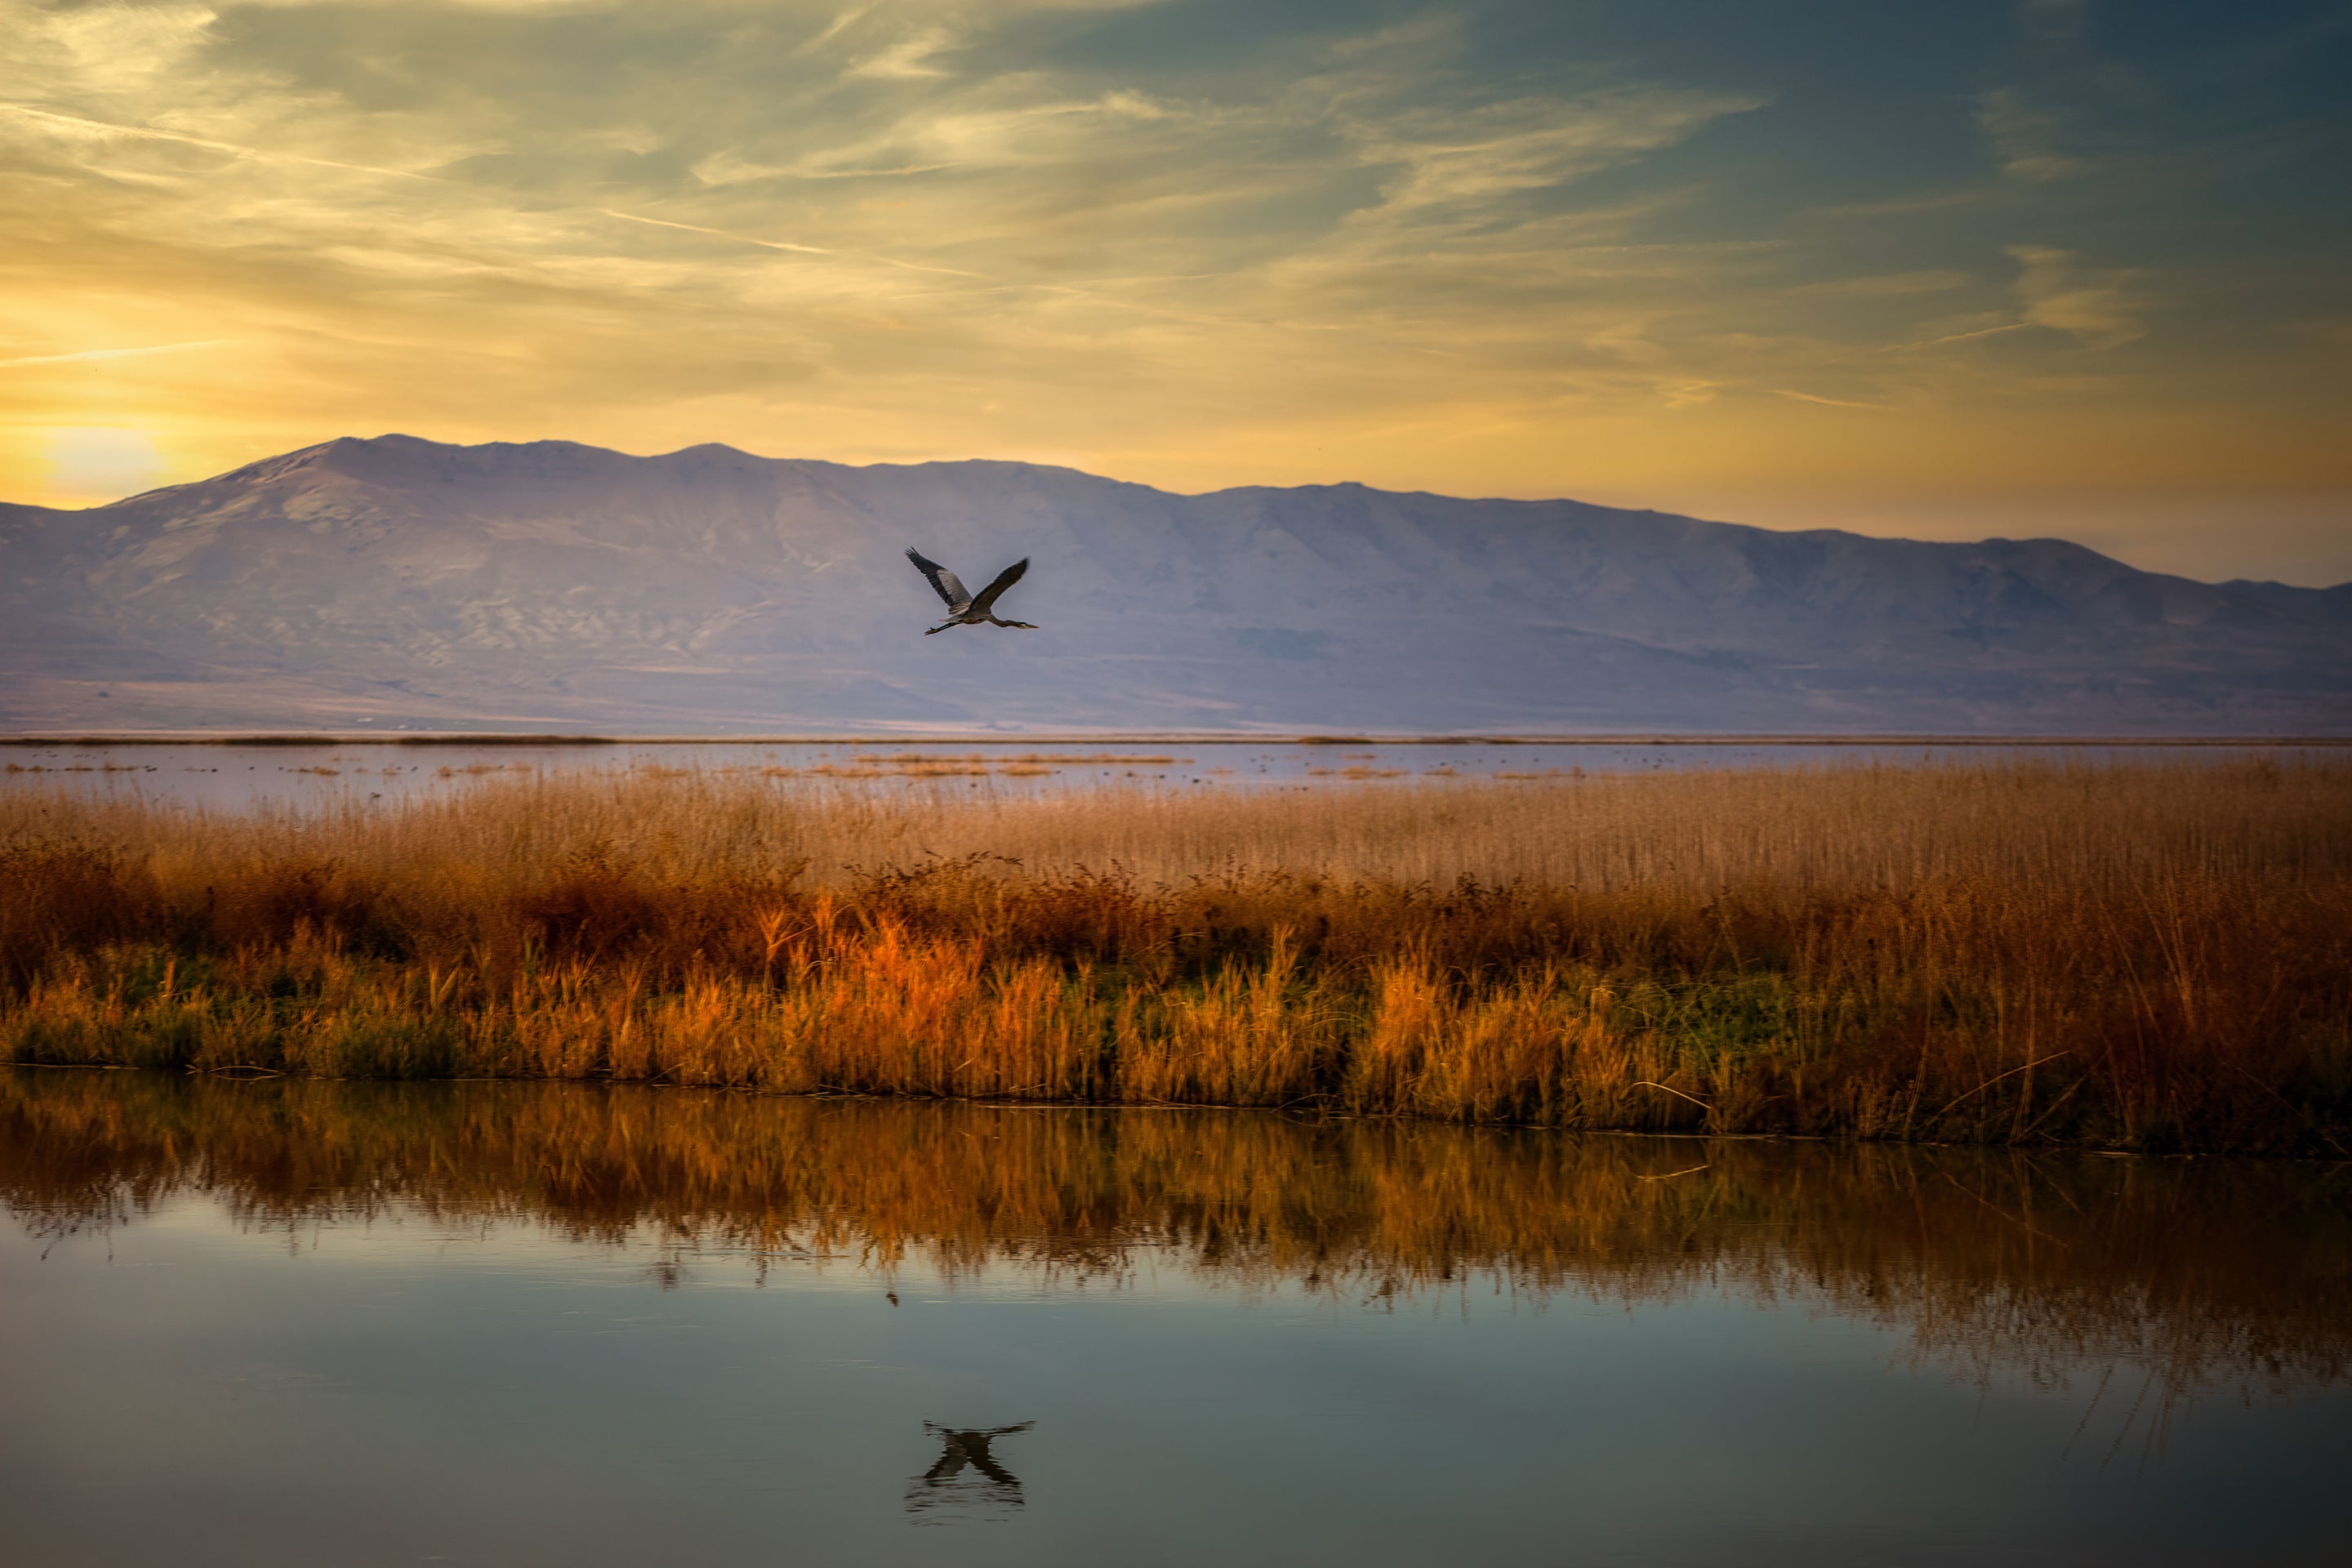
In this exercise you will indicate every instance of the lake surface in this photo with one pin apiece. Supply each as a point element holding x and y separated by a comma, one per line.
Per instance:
<point>329,776</point>
<point>281,1322</point>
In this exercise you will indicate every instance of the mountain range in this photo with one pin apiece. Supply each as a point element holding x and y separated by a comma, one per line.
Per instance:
<point>400,582</point>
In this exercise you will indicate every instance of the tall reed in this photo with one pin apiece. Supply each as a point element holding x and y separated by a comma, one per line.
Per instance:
<point>2155,956</point>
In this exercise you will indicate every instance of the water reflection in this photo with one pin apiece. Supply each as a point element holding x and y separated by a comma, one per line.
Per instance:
<point>284,1323</point>
<point>2184,1274</point>
<point>945,1493</point>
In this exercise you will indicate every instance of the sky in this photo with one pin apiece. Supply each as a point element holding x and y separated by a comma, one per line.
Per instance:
<point>1980,268</point>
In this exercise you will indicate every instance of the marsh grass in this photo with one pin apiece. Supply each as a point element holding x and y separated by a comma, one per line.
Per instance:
<point>2152,956</point>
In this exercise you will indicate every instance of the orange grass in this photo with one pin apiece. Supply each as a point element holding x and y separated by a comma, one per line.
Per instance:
<point>2154,956</point>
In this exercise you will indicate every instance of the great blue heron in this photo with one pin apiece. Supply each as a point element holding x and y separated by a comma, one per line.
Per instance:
<point>964,609</point>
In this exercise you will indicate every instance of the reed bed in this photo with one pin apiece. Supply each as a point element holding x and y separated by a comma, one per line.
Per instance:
<point>2154,956</point>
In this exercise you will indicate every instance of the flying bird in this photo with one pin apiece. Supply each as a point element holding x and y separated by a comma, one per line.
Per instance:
<point>963,609</point>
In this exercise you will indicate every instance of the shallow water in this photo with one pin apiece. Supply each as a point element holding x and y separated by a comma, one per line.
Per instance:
<point>283,1322</point>
<point>330,775</point>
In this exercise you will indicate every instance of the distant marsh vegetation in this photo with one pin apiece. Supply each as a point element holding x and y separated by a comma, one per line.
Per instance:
<point>2148,956</point>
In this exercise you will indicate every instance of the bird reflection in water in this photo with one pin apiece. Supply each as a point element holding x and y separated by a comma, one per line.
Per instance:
<point>966,1482</point>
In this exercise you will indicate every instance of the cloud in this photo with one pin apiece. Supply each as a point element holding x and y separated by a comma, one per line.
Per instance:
<point>1892,285</point>
<point>2102,307</point>
<point>1474,154</point>
<point>1829,401</point>
<point>88,355</point>
<point>1970,335</point>
<point>909,58</point>
<point>2024,138</point>
<point>719,232</point>
<point>1222,243</point>
<point>70,127</point>
<point>111,48</point>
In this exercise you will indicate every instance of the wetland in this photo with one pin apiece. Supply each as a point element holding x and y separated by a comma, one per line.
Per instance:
<point>288,1321</point>
<point>2152,954</point>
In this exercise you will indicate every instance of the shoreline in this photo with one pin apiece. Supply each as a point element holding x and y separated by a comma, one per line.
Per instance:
<point>1316,1118</point>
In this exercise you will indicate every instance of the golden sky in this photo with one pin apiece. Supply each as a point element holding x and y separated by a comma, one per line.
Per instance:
<point>2021,266</point>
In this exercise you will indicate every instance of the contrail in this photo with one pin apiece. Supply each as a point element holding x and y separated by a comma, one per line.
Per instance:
<point>785,244</point>
<point>115,354</point>
<point>1832,402</point>
<point>1957,337</point>
<point>107,128</point>
<point>720,233</point>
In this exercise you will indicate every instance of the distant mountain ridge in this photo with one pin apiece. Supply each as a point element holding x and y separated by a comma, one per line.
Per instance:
<point>397,581</point>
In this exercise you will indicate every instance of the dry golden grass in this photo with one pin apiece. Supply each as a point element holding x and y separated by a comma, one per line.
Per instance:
<point>2152,956</point>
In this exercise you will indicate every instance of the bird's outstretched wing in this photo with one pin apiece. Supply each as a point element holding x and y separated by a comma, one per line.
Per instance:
<point>950,586</point>
<point>1005,579</point>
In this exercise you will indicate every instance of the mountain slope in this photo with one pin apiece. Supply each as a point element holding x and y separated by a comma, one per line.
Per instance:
<point>396,581</point>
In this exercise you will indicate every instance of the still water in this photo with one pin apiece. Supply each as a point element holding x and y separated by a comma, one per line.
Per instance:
<point>280,1322</point>
<point>329,776</point>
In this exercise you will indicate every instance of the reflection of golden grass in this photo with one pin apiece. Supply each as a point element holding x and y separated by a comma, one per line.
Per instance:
<point>85,768</point>
<point>2154,956</point>
<point>1059,759</point>
<point>1121,757</point>
<point>2198,1274</point>
<point>1357,772</point>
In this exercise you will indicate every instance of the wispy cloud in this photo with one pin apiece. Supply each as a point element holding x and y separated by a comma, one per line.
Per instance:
<point>908,58</point>
<point>1968,336</point>
<point>1890,285</point>
<point>2101,306</point>
<point>1472,244</point>
<point>719,232</point>
<point>841,22</point>
<point>786,244</point>
<point>1829,401</point>
<point>76,126</point>
<point>1475,154</point>
<point>2026,138</point>
<point>86,356</point>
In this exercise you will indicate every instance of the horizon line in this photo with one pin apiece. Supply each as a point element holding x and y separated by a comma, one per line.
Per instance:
<point>1127,737</point>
